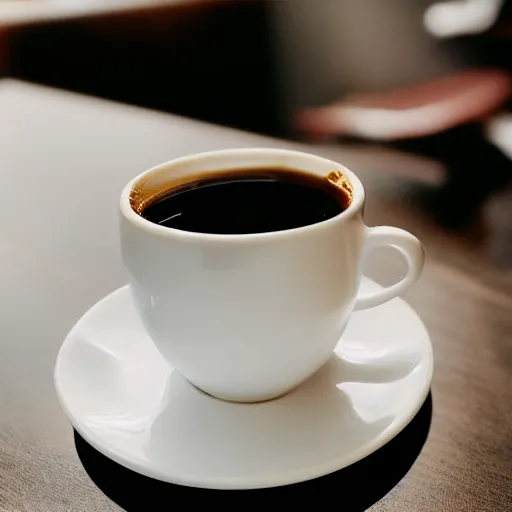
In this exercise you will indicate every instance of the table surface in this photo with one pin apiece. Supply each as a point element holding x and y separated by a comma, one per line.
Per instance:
<point>63,161</point>
<point>21,12</point>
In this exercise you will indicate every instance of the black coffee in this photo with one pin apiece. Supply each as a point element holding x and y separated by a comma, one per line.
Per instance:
<point>256,201</point>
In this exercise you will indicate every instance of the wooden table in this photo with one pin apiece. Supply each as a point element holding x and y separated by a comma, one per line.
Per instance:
<point>63,161</point>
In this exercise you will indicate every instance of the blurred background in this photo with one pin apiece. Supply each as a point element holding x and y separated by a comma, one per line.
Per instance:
<point>423,84</point>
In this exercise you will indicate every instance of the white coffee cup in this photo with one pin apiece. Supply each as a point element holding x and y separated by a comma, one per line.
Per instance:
<point>249,317</point>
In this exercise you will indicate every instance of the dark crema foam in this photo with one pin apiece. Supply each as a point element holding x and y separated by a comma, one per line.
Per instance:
<point>249,201</point>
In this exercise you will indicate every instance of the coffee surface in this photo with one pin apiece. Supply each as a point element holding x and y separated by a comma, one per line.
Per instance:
<point>252,201</point>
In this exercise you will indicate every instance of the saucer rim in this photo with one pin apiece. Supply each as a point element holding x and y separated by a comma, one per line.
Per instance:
<point>230,483</point>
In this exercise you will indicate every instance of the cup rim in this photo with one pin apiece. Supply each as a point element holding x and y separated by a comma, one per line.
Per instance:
<point>191,236</point>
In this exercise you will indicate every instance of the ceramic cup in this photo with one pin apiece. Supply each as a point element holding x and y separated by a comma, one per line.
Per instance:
<point>249,317</point>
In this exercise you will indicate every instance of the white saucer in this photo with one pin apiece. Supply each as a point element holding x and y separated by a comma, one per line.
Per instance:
<point>130,405</point>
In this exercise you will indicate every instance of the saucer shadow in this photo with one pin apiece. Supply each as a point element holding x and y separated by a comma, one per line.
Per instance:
<point>362,484</point>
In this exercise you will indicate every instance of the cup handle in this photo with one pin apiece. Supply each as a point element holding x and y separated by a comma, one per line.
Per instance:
<point>414,255</point>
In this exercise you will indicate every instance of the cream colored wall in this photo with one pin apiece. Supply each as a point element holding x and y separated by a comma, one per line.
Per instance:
<point>330,46</point>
